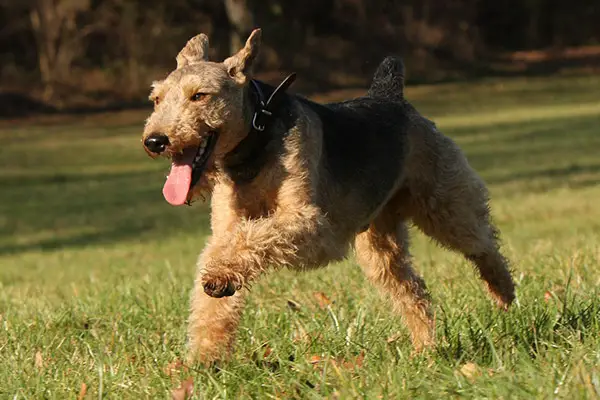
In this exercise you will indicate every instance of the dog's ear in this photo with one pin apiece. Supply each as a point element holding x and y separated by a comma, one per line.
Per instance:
<point>239,66</point>
<point>195,50</point>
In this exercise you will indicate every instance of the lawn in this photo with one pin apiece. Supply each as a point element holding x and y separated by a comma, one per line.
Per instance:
<point>96,268</point>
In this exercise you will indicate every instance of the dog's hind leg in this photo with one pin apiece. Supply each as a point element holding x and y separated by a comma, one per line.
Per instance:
<point>382,252</point>
<point>458,217</point>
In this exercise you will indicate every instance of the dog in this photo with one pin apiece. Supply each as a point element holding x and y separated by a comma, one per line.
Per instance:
<point>297,184</point>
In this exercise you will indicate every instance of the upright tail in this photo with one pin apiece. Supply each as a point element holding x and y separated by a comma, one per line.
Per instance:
<point>388,80</point>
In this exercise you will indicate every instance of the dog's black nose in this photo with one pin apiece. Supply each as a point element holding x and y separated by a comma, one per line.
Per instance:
<point>156,142</point>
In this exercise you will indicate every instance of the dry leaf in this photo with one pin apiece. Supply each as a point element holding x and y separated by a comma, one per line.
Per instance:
<point>82,391</point>
<point>268,351</point>
<point>281,395</point>
<point>300,335</point>
<point>315,360</point>
<point>358,361</point>
<point>262,353</point>
<point>174,367</point>
<point>470,371</point>
<point>351,364</point>
<point>39,360</point>
<point>394,338</point>
<point>184,391</point>
<point>293,305</point>
<point>322,299</point>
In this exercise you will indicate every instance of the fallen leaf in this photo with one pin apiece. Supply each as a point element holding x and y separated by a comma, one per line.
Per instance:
<point>350,364</point>
<point>315,360</point>
<point>470,371</point>
<point>281,395</point>
<point>39,360</point>
<point>322,299</point>
<point>262,353</point>
<point>300,334</point>
<point>184,391</point>
<point>358,361</point>
<point>82,391</point>
<point>293,305</point>
<point>268,351</point>
<point>174,367</point>
<point>394,338</point>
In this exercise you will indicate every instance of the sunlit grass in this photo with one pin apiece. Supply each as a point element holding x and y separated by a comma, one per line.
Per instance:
<point>96,268</point>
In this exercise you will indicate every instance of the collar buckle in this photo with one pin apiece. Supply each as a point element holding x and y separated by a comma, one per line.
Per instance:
<point>255,124</point>
<point>264,108</point>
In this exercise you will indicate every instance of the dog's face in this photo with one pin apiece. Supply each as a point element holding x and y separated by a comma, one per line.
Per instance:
<point>200,114</point>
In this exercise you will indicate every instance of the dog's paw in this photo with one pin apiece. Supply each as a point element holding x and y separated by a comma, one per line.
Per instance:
<point>222,285</point>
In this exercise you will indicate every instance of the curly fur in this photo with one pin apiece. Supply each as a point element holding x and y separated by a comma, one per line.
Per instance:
<point>322,179</point>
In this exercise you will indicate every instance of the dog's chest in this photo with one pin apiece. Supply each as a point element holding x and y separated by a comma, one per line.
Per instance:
<point>254,202</point>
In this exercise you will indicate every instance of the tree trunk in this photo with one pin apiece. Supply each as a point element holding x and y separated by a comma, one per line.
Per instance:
<point>58,39</point>
<point>241,20</point>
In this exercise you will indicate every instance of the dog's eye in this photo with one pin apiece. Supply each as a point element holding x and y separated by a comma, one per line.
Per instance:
<point>156,100</point>
<point>198,96</point>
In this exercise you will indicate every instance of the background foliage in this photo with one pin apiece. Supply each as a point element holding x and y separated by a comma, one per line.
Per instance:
<point>74,52</point>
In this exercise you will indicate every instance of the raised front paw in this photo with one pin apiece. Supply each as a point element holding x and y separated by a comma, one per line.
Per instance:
<point>221,285</point>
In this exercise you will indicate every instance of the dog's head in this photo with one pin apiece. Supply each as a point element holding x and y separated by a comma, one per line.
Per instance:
<point>201,112</point>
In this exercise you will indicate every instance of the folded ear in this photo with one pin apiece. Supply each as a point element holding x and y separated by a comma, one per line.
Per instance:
<point>239,66</point>
<point>195,50</point>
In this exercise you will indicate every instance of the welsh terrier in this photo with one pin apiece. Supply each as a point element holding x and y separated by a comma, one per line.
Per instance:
<point>297,184</point>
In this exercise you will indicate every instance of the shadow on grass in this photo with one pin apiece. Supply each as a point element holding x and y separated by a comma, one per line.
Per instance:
<point>53,203</point>
<point>48,213</point>
<point>560,174</point>
<point>104,237</point>
<point>557,150</point>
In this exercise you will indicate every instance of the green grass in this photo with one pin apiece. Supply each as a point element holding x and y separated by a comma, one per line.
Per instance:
<point>96,268</point>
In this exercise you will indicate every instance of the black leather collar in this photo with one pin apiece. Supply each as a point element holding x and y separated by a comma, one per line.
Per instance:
<point>264,109</point>
<point>244,162</point>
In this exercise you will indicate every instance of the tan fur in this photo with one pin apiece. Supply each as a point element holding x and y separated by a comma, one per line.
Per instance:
<point>382,251</point>
<point>292,215</point>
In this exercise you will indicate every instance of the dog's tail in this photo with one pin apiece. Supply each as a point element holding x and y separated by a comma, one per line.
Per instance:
<point>388,81</point>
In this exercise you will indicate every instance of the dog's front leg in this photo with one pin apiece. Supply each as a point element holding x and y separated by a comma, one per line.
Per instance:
<point>230,262</point>
<point>301,238</point>
<point>213,321</point>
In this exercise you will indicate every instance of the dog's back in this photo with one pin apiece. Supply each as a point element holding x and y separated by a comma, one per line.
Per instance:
<point>365,143</point>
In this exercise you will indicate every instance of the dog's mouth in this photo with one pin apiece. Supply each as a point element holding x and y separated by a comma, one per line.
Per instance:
<point>186,170</point>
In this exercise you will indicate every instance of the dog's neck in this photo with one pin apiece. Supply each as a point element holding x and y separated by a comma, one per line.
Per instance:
<point>264,138</point>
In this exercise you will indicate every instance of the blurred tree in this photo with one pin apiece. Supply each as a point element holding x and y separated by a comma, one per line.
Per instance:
<point>58,37</point>
<point>241,20</point>
<point>116,47</point>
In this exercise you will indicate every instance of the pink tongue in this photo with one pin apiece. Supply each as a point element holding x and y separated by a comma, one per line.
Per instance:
<point>178,182</point>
